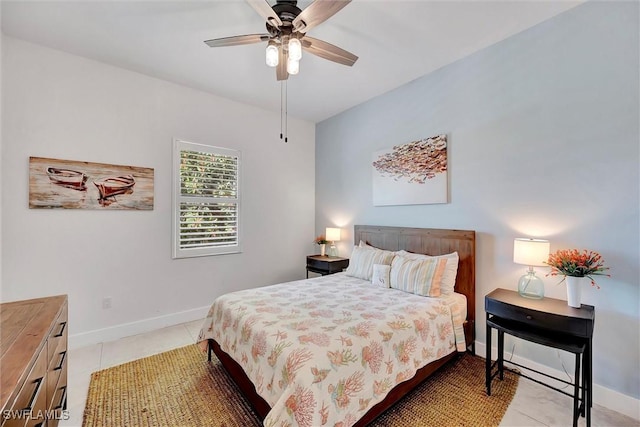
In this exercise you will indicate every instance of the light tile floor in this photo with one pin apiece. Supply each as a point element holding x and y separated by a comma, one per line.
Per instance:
<point>533,404</point>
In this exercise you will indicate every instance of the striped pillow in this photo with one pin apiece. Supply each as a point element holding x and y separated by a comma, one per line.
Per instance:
<point>362,260</point>
<point>418,276</point>
<point>448,284</point>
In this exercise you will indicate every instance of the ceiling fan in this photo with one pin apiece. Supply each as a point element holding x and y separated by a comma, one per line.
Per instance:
<point>286,35</point>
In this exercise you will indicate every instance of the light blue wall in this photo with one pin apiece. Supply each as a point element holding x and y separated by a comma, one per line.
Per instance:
<point>544,142</point>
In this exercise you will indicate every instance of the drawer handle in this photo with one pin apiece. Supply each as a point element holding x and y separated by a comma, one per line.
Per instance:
<point>64,355</point>
<point>62,398</point>
<point>34,396</point>
<point>59,334</point>
<point>529,317</point>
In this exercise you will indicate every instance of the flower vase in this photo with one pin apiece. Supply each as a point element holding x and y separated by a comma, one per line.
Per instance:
<point>574,286</point>
<point>322,249</point>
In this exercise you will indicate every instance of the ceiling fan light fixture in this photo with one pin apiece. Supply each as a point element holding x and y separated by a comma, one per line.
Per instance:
<point>293,66</point>
<point>295,49</point>
<point>272,54</point>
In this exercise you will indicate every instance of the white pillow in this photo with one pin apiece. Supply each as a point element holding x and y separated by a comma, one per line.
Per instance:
<point>364,245</point>
<point>380,275</point>
<point>363,259</point>
<point>418,276</point>
<point>450,272</point>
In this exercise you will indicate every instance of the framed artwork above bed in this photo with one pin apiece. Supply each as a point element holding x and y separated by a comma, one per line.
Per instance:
<point>414,173</point>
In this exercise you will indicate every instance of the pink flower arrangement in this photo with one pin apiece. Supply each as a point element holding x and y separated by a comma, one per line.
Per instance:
<point>321,240</point>
<point>571,262</point>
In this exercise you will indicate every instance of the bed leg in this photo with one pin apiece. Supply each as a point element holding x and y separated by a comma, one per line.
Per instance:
<point>209,350</point>
<point>470,334</point>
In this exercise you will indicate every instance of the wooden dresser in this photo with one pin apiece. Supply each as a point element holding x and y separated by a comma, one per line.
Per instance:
<point>33,362</point>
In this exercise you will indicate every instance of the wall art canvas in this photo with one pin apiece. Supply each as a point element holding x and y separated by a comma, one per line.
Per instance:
<point>70,184</point>
<point>411,174</point>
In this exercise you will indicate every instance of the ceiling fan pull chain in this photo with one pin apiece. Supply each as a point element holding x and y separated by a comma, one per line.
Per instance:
<point>286,112</point>
<point>281,101</point>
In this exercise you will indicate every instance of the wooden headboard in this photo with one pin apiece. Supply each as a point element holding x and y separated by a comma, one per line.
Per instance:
<point>432,241</point>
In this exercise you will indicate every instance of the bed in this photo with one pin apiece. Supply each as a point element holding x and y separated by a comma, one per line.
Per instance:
<point>324,398</point>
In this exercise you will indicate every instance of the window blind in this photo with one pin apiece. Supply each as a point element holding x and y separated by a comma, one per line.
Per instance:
<point>207,201</point>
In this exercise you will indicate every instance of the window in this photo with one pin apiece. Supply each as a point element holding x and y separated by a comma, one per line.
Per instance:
<point>206,200</point>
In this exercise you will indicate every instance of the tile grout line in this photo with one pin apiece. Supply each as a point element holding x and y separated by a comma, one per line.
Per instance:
<point>194,338</point>
<point>540,423</point>
<point>101,349</point>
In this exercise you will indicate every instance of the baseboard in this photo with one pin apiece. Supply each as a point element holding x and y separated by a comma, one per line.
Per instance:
<point>603,396</point>
<point>127,329</point>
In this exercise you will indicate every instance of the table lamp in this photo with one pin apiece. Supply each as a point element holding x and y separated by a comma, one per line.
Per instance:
<point>332,235</point>
<point>531,252</point>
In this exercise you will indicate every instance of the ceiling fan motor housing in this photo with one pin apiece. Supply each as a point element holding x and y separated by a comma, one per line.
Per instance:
<point>287,11</point>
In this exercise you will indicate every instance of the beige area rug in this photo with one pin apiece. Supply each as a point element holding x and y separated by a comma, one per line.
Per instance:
<point>180,388</point>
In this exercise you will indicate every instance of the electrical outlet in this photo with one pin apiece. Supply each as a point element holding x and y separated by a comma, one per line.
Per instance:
<point>106,303</point>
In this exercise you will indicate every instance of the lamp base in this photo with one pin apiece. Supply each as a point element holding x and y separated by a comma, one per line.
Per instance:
<point>531,286</point>
<point>333,251</point>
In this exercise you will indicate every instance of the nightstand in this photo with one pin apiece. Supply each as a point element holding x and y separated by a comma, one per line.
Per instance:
<point>549,322</point>
<point>323,264</point>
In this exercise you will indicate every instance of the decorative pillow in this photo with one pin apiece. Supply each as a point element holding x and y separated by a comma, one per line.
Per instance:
<point>364,245</point>
<point>450,272</point>
<point>380,275</point>
<point>417,276</point>
<point>362,260</point>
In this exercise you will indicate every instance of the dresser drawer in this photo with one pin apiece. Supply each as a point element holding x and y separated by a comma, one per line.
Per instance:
<point>56,344</point>
<point>31,400</point>
<point>60,393</point>
<point>55,375</point>
<point>55,350</point>
<point>58,335</point>
<point>58,398</point>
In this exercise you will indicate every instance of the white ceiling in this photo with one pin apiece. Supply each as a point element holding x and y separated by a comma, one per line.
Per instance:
<point>397,41</point>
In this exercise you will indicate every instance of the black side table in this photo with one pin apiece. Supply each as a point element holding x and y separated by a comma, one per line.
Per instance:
<point>549,322</point>
<point>323,264</point>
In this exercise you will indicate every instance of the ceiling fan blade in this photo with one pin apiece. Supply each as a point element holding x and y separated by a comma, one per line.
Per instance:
<point>328,51</point>
<point>238,40</point>
<point>264,9</point>
<point>281,69</point>
<point>316,13</point>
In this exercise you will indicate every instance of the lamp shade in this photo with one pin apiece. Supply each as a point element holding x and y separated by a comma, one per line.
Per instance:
<point>532,252</point>
<point>332,234</point>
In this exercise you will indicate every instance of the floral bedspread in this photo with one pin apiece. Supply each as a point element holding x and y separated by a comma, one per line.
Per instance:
<point>323,351</point>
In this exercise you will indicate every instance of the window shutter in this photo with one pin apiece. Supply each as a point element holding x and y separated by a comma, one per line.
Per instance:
<point>207,202</point>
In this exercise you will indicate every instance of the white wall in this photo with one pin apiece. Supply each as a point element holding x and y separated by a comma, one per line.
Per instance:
<point>1,40</point>
<point>544,142</point>
<point>67,107</point>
